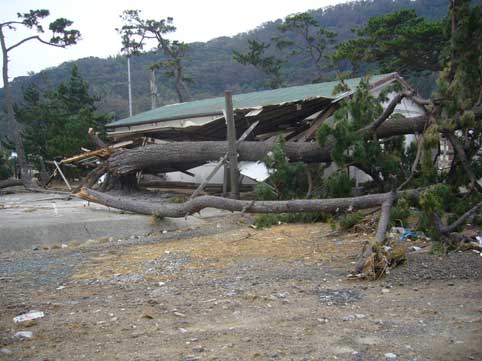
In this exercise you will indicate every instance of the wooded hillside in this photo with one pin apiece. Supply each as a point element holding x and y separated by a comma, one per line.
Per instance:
<point>210,65</point>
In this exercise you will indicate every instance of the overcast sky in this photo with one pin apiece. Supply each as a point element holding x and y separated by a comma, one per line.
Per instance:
<point>196,20</point>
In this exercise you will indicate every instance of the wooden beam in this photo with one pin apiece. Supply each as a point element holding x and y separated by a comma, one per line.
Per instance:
<point>311,131</point>
<point>104,152</point>
<point>62,174</point>
<point>232,148</point>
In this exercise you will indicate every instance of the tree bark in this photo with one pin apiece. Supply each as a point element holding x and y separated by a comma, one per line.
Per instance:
<point>95,140</point>
<point>14,128</point>
<point>160,157</point>
<point>199,203</point>
<point>10,183</point>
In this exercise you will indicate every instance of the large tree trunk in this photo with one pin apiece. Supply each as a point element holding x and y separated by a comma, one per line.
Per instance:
<point>163,157</point>
<point>13,126</point>
<point>197,204</point>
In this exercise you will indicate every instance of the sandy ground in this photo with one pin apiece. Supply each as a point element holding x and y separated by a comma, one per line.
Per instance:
<point>229,292</point>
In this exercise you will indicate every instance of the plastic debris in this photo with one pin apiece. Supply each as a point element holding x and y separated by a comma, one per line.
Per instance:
<point>24,334</point>
<point>390,356</point>
<point>32,315</point>
<point>479,239</point>
<point>408,233</point>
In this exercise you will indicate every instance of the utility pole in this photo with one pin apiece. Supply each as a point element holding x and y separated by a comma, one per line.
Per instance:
<point>232,148</point>
<point>129,84</point>
<point>153,89</point>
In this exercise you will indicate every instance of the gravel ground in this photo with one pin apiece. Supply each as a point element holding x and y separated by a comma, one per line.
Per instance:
<point>228,292</point>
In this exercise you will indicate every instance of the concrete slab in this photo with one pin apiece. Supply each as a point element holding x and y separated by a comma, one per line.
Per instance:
<point>35,219</point>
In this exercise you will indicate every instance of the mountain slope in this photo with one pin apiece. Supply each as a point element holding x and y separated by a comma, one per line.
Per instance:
<point>210,64</point>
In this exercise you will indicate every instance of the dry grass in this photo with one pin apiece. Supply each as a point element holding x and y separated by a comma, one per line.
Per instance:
<point>289,242</point>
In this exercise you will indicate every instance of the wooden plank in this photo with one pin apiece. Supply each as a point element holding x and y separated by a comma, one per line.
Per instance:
<point>99,152</point>
<point>311,131</point>
<point>62,174</point>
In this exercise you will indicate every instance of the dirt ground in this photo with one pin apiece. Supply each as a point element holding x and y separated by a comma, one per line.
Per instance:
<point>226,291</point>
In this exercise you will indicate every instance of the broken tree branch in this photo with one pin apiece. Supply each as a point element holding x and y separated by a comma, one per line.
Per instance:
<point>233,205</point>
<point>445,230</point>
<point>95,140</point>
<point>381,231</point>
<point>414,165</point>
<point>372,128</point>
<point>385,217</point>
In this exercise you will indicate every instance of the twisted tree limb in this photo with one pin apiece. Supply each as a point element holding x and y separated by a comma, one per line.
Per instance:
<point>233,205</point>
<point>446,230</point>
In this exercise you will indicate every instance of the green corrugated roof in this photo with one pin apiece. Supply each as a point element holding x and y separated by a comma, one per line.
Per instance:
<point>214,106</point>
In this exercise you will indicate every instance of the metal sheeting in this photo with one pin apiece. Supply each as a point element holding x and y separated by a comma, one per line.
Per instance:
<point>214,106</point>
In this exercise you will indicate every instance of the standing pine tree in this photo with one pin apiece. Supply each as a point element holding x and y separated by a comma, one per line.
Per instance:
<point>56,121</point>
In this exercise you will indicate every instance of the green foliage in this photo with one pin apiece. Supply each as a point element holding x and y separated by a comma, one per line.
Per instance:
<point>400,41</point>
<point>381,160</point>
<point>256,56</point>
<point>62,35</point>
<point>135,33</point>
<point>433,200</point>
<point>284,182</point>
<point>339,184</point>
<point>57,120</point>
<point>303,35</point>
<point>400,212</point>
<point>349,220</point>
<point>5,166</point>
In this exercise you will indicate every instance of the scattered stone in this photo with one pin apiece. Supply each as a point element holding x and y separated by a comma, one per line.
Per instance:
<point>29,323</point>
<point>198,348</point>
<point>357,316</point>
<point>190,358</point>
<point>5,351</point>
<point>339,297</point>
<point>385,290</point>
<point>390,356</point>
<point>35,248</point>
<point>179,314</point>
<point>348,318</point>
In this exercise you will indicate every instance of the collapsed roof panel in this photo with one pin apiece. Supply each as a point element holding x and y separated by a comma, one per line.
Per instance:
<point>276,110</point>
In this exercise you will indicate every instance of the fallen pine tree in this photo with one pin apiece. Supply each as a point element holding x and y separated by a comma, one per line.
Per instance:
<point>166,157</point>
